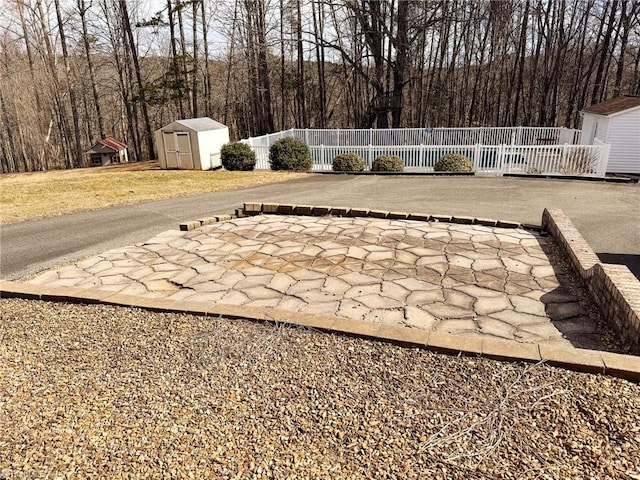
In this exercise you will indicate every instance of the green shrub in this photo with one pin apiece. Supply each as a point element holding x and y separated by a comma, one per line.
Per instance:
<point>387,163</point>
<point>348,162</point>
<point>290,154</point>
<point>238,156</point>
<point>453,162</point>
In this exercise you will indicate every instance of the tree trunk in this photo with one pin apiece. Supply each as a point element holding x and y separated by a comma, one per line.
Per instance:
<point>257,32</point>
<point>301,88</point>
<point>194,78</point>
<point>624,27</point>
<point>207,73</point>
<point>400,67</point>
<point>176,73</point>
<point>92,78</point>
<point>183,52</point>
<point>9,160</point>
<point>227,88</point>
<point>36,164</point>
<point>318,31</point>
<point>522,48</point>
<point>77,153</point>
<point>129,41</point>
<point>283,73</point>
<point>598,90</point>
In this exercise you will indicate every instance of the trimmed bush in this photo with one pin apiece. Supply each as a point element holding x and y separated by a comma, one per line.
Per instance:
<point>348,162</point>
<point>238,156</point>
<point>290,154</point>
<point>453,162</point>
<point>387,163</point>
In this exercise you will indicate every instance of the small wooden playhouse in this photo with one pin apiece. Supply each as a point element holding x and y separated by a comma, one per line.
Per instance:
<point>616,122</point>
<point>191,144</point>
<point>107,151</point>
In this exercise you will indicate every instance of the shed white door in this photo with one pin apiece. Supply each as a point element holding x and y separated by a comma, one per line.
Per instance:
<point>177,150</point>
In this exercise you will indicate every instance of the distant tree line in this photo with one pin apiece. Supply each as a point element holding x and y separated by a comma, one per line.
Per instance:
<point>75,71</point>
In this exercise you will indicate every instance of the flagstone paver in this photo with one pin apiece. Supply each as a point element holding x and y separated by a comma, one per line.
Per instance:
<point>435,276</point>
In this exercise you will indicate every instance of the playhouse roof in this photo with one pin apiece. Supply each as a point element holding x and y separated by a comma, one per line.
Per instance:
<point>615,105</point>
<point>109,144</point>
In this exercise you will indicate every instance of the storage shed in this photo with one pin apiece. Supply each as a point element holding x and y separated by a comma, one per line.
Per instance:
<point>616,122</point>
<point>107,151</point>
<point>192,144</point>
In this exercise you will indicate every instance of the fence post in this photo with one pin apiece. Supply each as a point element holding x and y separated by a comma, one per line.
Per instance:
<point>421,157</point>
<point>268,140</point>
<point>605,150</point>
<point>369,154</point>
<point>501,164</point>
<point>322,160</point>
<point>476,157</point>
<point>563,156</point>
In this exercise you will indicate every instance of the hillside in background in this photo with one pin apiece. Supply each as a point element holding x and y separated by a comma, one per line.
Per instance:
<point>72,72</point>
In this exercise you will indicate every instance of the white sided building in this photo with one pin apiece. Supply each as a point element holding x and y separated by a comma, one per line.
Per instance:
<point>192,144</point>
<point>616,122</point>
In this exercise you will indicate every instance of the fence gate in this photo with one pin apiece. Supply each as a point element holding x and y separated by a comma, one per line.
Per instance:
<point>177,150</point>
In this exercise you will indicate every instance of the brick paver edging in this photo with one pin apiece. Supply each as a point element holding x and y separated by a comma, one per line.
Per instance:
<point>613,288</point>
<point>591,361</point>
<point>187,226</point>
<point>256,208</point>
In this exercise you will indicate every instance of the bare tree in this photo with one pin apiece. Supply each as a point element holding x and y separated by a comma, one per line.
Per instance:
<point>133,52</point>
<point>82,10</point>
<point>75,69</point>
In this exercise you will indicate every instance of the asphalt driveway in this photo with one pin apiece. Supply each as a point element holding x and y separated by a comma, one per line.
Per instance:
<point>608,215</point>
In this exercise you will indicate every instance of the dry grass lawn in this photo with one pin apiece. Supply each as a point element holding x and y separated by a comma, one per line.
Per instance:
<point>28,196</point>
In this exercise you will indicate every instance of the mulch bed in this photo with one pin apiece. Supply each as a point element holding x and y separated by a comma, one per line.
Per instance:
<point>110,392</point>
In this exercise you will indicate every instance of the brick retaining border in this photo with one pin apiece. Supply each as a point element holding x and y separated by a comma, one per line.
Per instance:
<point>613,288</point>
<point>580,360</point>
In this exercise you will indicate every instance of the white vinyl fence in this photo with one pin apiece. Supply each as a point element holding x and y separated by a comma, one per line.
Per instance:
<point>539,151</point>
<point>426,136</point>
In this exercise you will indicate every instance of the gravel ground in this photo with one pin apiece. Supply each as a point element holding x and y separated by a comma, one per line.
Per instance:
<point>109,392</point>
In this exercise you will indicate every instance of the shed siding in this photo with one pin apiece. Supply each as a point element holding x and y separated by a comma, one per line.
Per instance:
<point>624,137</point>
<point>159,144</point>
<point>205,144</point>
<point>210,145</point>
<point>588,124</point>
<point>594,126</point>
<point>194,141</point>
<point>602,128</point>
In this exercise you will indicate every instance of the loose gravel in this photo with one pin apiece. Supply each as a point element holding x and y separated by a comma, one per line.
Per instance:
<point>109,392</point>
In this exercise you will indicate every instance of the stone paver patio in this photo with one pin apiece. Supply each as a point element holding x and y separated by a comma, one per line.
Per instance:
<point>463,279</point>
